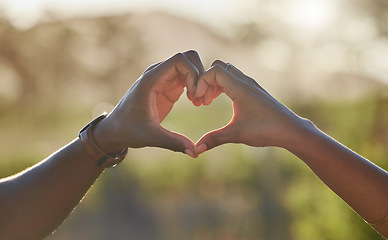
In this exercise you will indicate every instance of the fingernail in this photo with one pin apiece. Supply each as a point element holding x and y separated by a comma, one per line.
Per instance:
<point>189,152</point>
<point>201,148</point>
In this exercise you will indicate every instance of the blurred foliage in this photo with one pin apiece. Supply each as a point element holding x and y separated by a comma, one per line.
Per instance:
<point>54,76</point>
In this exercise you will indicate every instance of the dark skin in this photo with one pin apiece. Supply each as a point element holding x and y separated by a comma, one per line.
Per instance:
<point>36,201</point>
<point>260,120</point>
<point>147,103</point>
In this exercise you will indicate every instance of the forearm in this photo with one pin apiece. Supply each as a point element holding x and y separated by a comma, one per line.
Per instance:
<point>359,182</point>
<point>33,203</point>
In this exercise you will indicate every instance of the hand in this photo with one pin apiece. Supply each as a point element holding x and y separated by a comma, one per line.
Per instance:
<point>135,121</point>
<point>259,119</point>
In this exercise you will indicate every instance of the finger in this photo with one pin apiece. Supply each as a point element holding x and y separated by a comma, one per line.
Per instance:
<point>152,66</point>
<point>230,68</point>
<point>238,73</point>
<point>187,69</point>
<point>208,97</point>
<point>218,62</point>
<point>211,94</point>
<point>164,138</point>
<point>194,58</point>
<point>219,78</point>
<point>176,66</point>
<point>213,139</point>
<point>197,102</point>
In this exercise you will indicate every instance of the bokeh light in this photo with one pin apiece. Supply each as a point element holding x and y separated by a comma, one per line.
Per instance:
<point>314,15</point>
<point>64,62</point>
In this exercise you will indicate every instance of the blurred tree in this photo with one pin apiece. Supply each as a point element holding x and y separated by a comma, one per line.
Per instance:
<point>10,40</point>
<point>377,10</point>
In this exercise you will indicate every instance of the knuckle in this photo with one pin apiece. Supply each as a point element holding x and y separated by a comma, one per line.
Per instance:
<point>191,53</point>
<point>217,62</point>
<point>178,56</point>
<point>217,68</point>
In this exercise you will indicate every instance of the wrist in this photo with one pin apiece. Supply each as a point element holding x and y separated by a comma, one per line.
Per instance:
<point>100,157</point>
<point>106,138</point>
<point>299,135</point>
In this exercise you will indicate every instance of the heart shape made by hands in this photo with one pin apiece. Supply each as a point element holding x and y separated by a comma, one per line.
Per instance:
<point>152,97</point>
<point>193,122</point>
<point>158,89</point>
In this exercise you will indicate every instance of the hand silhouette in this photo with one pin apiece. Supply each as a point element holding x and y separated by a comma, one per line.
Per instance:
<point>259,119</point>
<point>135,121</point>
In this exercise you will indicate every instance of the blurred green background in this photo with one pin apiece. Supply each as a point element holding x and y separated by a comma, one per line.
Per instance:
<point>64,62</point>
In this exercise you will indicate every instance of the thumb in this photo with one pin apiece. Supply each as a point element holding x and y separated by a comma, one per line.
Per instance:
<point>213,139</point>
<point>176,142</point>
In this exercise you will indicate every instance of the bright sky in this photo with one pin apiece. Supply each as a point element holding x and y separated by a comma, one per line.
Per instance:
<point>304,18</point>
<point>203,10</point>
<point>307,14</point>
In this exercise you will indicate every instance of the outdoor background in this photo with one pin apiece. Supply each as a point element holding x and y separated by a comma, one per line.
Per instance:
<point>64,62</point>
